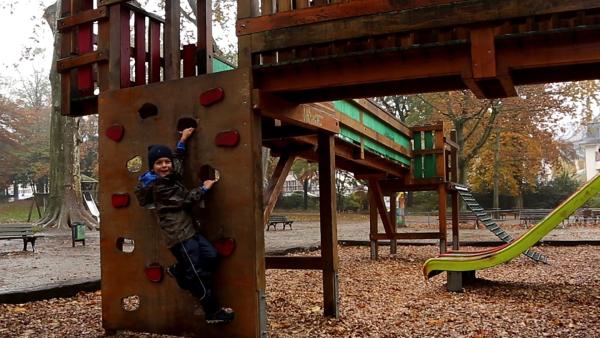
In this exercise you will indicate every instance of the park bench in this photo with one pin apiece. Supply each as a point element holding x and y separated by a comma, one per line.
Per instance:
<point>276,219</point>
<point>19,231</point>
<point>465,217</point>
<point>529,216</point>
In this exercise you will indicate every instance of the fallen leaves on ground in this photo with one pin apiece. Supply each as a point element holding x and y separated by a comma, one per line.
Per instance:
<point>388,298</point>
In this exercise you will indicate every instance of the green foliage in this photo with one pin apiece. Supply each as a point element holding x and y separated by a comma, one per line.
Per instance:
<point>295,201</point>
<point>550,195</point>
<point>423,201</point>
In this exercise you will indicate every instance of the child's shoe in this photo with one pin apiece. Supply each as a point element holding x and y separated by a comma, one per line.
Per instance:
<point>222,316</point>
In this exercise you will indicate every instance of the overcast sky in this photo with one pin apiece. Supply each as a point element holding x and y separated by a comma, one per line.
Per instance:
<point>21,22</point>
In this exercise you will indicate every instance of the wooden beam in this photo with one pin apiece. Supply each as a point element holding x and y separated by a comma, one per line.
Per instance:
<point>205,38</point>
<point>383,115</point>
<point>276,184</point>
<point>171,40</point>
<point>459,13</point>
<point>88,16</point>
<point>299,263</point>
<point>372,134</point>
<point>455,228</point>
<point>380,204</point>
<point>393,243</point>
<point>309,116</point>
<point>328,212</point>
<point>68,63</point>
<point>406,235</point>
<point>324,13</point>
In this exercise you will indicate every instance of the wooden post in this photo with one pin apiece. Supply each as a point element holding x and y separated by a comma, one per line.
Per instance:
<point>171,40</point>
<point>326,151</point>
<point>442,217</point>
<point>393,241</point>
<point>373,224</point>
<point>455,211</point>
<point>118,59</point>
<point>205,40</point>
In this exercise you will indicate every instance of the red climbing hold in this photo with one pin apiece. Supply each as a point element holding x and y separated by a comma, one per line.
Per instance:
<point>212,96</point>
<point>120,200</point>
<point>229,138</point>
<point>154,272</point>
<point>115,132</point>
<point>224,246</point>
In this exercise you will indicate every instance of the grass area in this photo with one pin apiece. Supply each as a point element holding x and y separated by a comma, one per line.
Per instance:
<point>16,211</point>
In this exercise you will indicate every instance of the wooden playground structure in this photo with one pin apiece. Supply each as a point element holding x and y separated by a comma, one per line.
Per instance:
<point>300,64</point>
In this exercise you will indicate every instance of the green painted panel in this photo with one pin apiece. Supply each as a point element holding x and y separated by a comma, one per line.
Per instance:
<point>418,170</point>
<point>417,140</point>
<point>428,140</point>
<point>354,112</point>
<point>220,66</point>
<point>430,169</point>
<point>347,109</point>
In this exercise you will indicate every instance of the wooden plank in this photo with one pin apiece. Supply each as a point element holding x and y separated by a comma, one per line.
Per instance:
<point>300,263</point>
<point>284,6</point>
<point>393,243</point>
<point>407,235</point>
<point>332,12</point>
<point>309,116</point>
<point>66,64</point>
<point>88,16</point>
<point>266,7</point>
<point>189,60</point>
<point>154,51</point>
<point>110,2</point>
<point>328,212</point>
<point>395,21</point>
<point>205,38</point>
<point>276,184</point>
<point>140,48</point>
<point>124,46</point>
<point>171,40</point>
<point>299,4</point>
<point>383,115</point>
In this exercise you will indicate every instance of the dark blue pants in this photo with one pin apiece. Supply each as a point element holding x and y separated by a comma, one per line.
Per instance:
<point>196,262</point>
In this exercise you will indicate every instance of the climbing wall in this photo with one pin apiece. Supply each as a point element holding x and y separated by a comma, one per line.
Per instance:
<point>136,293</point>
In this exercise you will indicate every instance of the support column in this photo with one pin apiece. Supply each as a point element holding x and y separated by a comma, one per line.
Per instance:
<point>455,211</point>
<point>171,44</point>
<point>373,224</point>
<point>204,48</point>
<point>393,241</point>
<point>442,217</point>
<point>327,206</point>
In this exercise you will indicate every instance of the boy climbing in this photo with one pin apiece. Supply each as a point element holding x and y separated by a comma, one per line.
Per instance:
<point>161,189</point>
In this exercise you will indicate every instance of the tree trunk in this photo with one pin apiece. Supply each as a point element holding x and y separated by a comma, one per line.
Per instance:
<point>15,191</point>
<point>305,188</point>
<point>496,193</point>
<point>65,202</point>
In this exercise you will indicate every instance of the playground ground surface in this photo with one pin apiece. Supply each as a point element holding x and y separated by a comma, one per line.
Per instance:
<point>387,298</point>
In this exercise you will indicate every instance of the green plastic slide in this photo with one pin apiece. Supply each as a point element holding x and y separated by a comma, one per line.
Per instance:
<point>470,261</point>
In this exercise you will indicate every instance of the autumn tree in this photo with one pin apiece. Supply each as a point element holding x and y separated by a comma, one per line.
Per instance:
<point>305,172</point>
<point>65,203</point>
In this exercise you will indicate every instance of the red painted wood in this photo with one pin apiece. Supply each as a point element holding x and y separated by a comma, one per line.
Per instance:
<point>140,49</point>
<point>212,96</point>
<point>85,80</point>
<point>189,60</point>
<point>154,50</point>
